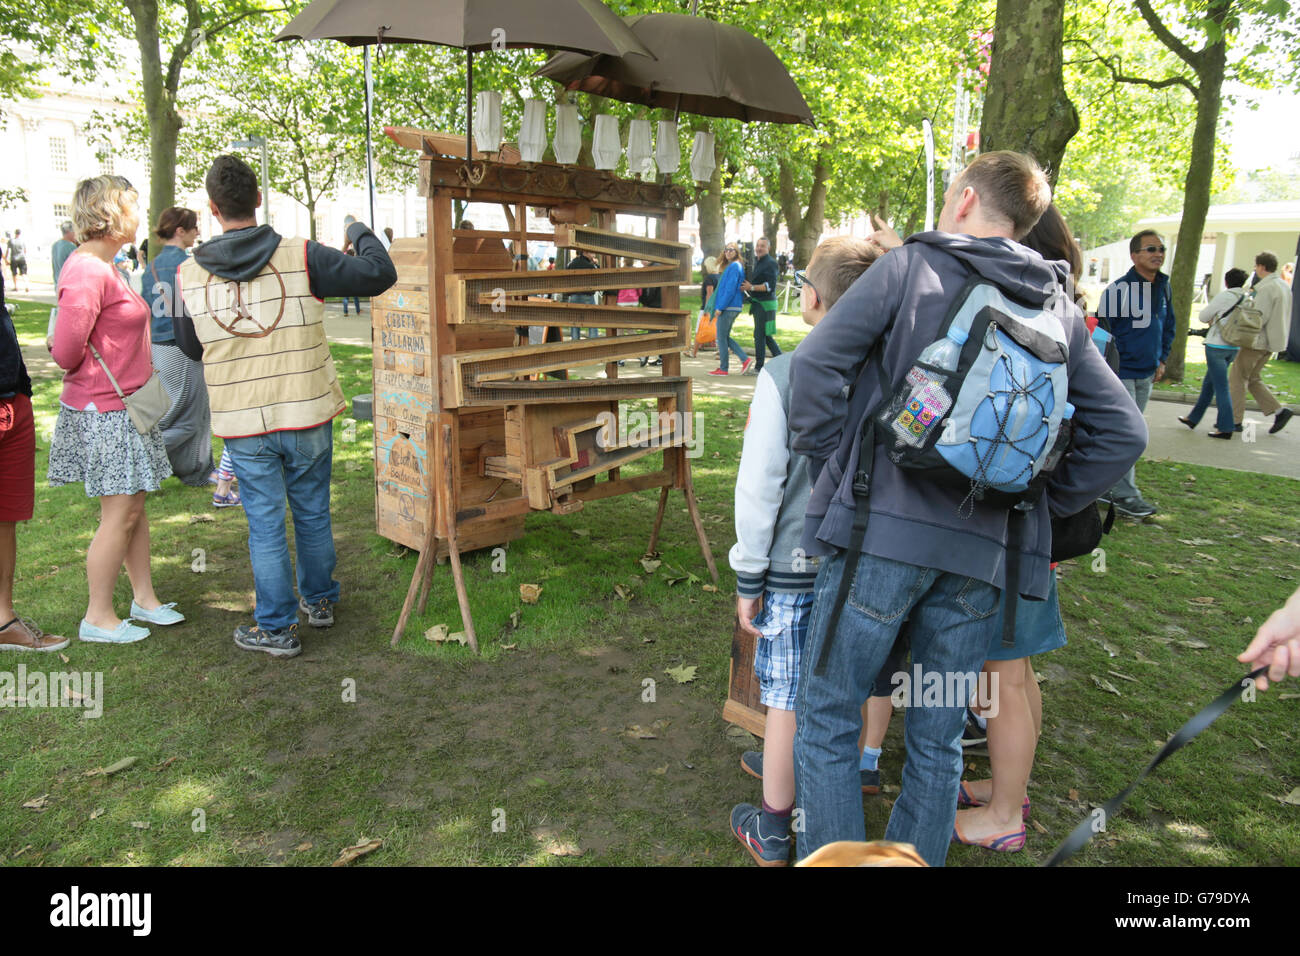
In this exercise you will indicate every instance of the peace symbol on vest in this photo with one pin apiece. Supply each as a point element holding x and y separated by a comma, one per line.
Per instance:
<point>240,308</point>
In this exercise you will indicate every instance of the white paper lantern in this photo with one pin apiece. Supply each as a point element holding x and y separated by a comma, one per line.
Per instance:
<point>568,133</point>
<point>606,148</point>
<point>487,121</point>
<point>668,148</point>
<point>532,132</point>
<point>638,149</point>
<point>702,161</point>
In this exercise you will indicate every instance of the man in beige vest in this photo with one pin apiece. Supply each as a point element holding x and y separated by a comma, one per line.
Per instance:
<point>254,310</point>
<point>1273,299</point>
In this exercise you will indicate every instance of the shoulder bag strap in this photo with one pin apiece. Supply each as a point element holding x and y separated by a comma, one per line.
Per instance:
<point>117,388</point>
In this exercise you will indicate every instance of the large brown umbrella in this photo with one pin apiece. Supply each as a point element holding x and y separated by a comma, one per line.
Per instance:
<point>700,66</point>
<point>586,26</point>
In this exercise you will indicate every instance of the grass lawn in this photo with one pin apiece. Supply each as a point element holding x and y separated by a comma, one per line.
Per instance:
<point>547,734</point>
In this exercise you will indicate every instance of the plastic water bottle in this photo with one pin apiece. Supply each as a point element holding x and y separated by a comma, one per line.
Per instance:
<point>916,411</point>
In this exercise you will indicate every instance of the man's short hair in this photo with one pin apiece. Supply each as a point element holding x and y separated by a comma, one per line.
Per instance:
<point>1235,278</point>
<point>1267,260</point>
<point>1011,186</point>
<point>837,263</point>
<point>1135,243</point>
<point>232,185</point>
<point>65,227</point>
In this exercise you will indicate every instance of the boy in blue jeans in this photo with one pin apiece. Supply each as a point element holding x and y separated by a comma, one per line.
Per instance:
<point>774,581</point>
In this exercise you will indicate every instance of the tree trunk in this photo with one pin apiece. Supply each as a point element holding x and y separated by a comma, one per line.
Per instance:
<point>804,227</point>
<point>1196,199</point>
<point>713,225</point>
<point>1026,107</point>
<point>160,110</point>
<point>772,223</point>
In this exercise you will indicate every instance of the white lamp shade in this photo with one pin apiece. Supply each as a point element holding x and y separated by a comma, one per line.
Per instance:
<point>606,149</point>
<point>702,161</point>
<point>668,149</point>
<point>568,133</point>
<point>532,131</point>
<point>487,121</point>
<point>638,148</point>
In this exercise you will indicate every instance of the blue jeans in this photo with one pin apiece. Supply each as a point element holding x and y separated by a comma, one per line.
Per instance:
<point>1139,389</point>
<point>726,344</point>
<point>1215,385</point>
<point>951,618</point>
<point>271,467</point>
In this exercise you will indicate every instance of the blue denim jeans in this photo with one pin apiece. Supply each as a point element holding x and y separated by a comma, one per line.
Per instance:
<point>1139,389</point>
<point>295,465</point>
<point>1215,386</point>
<point>951,618</point>
<point>726,344</point>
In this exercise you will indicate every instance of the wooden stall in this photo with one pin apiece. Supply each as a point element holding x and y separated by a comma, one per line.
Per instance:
<point>474,427</point>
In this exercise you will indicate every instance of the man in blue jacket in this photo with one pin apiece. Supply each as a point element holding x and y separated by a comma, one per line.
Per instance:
<point>1141,316</point>
<point>930,555</point>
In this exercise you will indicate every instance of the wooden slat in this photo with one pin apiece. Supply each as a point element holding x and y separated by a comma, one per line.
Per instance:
<point>744,706</point>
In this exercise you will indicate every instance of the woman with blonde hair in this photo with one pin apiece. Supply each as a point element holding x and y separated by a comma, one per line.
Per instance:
<point>187,426</point>
<point>728,300</point>
<point>102,342</point>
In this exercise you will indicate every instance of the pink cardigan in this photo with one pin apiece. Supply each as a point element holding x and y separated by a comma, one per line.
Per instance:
<point>97,306</point>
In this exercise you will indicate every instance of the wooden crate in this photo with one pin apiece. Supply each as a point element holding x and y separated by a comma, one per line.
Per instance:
<point>743,706</point>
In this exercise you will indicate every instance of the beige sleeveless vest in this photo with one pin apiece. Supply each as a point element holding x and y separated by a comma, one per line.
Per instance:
<point>265,357</point>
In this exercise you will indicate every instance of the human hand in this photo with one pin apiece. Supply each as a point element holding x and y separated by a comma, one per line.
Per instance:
<point>746,285</point>
<point>746,610</point>
<point>1160,372</point>
<point>1276,644</point>
<point>885,236</point>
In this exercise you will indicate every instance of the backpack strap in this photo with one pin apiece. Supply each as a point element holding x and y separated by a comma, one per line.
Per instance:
<point>861,510</point>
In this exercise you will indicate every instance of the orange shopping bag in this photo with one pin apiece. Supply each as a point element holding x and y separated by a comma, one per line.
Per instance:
<point>706,331</point>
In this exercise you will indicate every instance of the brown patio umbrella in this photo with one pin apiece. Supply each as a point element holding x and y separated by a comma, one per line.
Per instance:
<point>700,66</point>
<point>586,26</point>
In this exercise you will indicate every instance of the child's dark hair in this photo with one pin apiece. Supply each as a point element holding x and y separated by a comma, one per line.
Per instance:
<point>1234,278</point>
<point>232,185</point>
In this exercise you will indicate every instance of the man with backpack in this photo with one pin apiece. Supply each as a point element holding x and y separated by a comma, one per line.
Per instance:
<point>1141,315</point>
<point>923,546</point>
<point>1272,302</point>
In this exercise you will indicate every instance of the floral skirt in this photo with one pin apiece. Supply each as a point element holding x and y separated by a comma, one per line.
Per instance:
<point>103,451</point>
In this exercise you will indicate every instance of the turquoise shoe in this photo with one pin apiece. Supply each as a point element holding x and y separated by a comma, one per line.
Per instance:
<point>163,615</point>
<point>125,633</point>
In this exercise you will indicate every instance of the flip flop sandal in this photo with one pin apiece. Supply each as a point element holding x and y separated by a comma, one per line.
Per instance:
<point>227,501</point>
<point>1013,841</point>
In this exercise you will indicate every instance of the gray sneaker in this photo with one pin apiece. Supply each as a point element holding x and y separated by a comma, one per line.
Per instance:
<point>320,614</point>
<point>281,643</point>
<point>1134,507</point>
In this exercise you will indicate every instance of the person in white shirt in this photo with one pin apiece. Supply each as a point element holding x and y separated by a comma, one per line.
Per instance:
<point>1273,299</point>
<point>1218,356</point>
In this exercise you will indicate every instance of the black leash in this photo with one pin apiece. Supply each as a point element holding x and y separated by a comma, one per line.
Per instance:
<point>1085,831</point>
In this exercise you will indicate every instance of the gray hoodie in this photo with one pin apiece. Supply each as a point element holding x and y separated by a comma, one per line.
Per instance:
<point>905,297</point>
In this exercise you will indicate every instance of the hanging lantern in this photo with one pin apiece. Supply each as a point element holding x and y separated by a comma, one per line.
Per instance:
<point>532,132</point>
<point>606,149</point>
<point>487,121</point>
<point>668,148</point>
<point>568,133</point>
<point>702,161</point>
<point>638,149</point>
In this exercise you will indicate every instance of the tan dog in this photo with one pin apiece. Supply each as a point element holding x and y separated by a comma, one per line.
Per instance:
<point>875,853</point>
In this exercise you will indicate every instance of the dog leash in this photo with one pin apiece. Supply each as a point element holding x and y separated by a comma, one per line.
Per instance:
<point>1085,831</point>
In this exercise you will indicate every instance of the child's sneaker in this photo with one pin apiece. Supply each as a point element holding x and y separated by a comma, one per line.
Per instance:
<point>751,761</point>
<point>751,827</point>
<point>870,781</point>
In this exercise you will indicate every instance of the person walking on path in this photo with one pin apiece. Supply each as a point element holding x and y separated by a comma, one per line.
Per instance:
<point>1141,316</point>
<point>1218,357</point>
<point>728,299</point>
<point>1273,300</point>
<point>16,256</point>
<point>65,246</point>
<point>761,289</point>
<point>254,313</point>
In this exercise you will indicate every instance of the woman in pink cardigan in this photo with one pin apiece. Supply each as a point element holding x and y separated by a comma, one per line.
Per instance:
<point>95,442</point>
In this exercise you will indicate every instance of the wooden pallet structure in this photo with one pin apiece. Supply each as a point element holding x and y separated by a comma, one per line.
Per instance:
<point>475,428</point>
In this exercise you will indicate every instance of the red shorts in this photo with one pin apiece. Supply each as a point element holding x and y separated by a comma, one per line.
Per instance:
<point>17,459</point>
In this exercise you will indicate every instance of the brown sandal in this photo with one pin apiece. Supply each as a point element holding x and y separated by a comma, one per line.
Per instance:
<point>21,634</point>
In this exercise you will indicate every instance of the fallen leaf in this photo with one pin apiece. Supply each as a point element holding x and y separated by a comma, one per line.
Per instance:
<point>1202,600</point>
<point>1196,542</point>
<point>529,593</point>
<point>357,850</point>
<point>683,674</point>
<point>514,619</point>
<point>710,588</point>
<point>1106,685</point>
<point>650,565</point>
<point>637,732</point>
<point>140,824</point>
<point>97,813</point>
<point>123,764</point>
<point>302,847</point>
<point>165,764</point>
<point>1292,798</point>
<point>38,803</point>
<point>1038,826</point>
<point>1288,697</point>
<point>1122,676</point>
<point>581,532</point>
<point>1271,539</point>
<point>64,658</point>
<point>624,594</point>
<point>1073,795</point>
<point>1104,646</point>
<point>647,640</point>
<point>660,771</point>
<point>195,519</point>
<point>70,694</point>
<point>554,845</point>
<point>508,647</point>
<point>1256,742</point>
<point>1206,557</point>
<point>677,580</point>
<point>437,633</point>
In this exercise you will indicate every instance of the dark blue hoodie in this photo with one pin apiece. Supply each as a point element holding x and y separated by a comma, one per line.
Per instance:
<point>1141,318</point>
<point>905,297</point>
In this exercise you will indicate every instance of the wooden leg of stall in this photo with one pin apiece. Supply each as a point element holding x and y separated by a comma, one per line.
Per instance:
<point>423,572</point>
<point>453,544</point>
<point>424,588</point>
<point>659,520</point>
<point>688,489</point>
